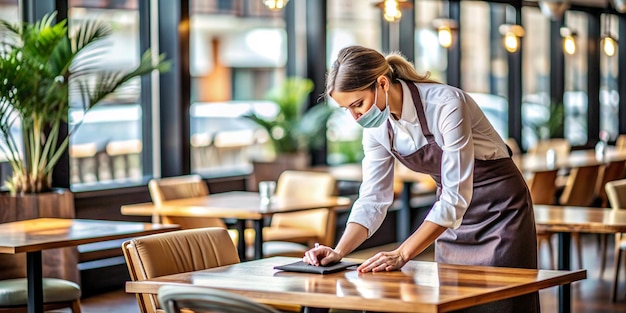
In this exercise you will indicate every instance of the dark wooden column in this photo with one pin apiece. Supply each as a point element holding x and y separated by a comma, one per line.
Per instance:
<point>175,99</point>
<point>593,77</point>
<point>316,60</point>
<point>621,73</point>
<point>453,73</point>
<point>515,82</point>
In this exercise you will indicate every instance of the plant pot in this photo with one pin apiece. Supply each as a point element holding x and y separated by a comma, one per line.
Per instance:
<point>57,263</point>
<point>270,170</point>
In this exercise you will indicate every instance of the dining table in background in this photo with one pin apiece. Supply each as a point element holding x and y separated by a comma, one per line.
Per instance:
<point>35,235</point>
<point>563,220</point>
<point>530,162</point>
<point>419,287</point>
<point>239,205</point>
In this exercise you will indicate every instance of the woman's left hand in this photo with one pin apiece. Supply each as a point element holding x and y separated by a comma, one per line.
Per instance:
<point>383,261</point>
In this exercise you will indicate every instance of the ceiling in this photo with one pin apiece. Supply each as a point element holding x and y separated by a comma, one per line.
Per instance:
<point>584,3</point>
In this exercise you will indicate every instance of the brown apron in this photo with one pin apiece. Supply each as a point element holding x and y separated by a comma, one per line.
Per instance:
<point>498,228</point>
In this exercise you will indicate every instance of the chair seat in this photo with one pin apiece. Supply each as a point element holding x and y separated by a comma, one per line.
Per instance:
<point>14,292</point>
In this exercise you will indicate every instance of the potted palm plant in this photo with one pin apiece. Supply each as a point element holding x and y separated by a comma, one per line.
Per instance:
<point>293,130</point>
<point>41,65</point>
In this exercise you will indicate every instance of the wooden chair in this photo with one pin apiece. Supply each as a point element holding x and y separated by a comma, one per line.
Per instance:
<point>292,233</point>
<point>57,294</point>
<point>177,252</point>
<point>620,142</point>
<point>201,299</point>
<point>180,187</point>
<point>580,192</point>
<point>616,192</point>
<point>560,145</point>
<point>542,186</point>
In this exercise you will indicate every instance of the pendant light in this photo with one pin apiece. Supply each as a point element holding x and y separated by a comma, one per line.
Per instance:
<point>569,40</point>
<point>511,36</point>
<point>609,44</point>
<point>392,9</point>
<point>275,5</point>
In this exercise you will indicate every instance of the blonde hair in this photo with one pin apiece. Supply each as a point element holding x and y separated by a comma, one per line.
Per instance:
<point>357,68</point>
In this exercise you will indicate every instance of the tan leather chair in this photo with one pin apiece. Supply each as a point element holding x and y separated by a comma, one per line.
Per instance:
<point>292,233</point>
<point>616,193</point>
<point>561,147</point>
<point>177,252</point>
<point>542,186</point>
<point>57,294</point>
<point>180,187</point>
<point>580,192</point>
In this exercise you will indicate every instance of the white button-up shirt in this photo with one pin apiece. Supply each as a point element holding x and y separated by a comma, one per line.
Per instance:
<point>462,131</point>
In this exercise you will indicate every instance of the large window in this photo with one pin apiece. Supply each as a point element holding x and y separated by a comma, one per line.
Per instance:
<point>575,98</point>
<point>609,96</point>
<point>106,142</point>
<point>536,77</point>
<point>352,22</point>
<point>238,52</point>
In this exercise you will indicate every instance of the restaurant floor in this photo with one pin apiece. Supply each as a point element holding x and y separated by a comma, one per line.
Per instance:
<point>590,295</point>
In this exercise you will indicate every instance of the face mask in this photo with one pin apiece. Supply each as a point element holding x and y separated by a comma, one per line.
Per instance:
<point>374,117</point>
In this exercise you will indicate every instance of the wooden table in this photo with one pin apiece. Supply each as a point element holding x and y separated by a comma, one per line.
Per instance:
<point>418,287</point>
<point>537,162</point>
<point>564,220</point>
<point>239,205</point>
<point>33,236</point>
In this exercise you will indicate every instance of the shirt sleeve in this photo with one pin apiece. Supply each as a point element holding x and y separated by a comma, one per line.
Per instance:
<point>376,190</point>
<point>457,164</point>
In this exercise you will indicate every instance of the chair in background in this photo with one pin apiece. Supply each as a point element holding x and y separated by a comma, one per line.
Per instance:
<point>181,187</point>
<point>200,299</point>
<point>560,146</point>
<point>57,294</point>
<point>614,170</point>
<point>177,252</point>
<point>292,233</point>
<point>542,186</point>
<point>616,193</point>
<point>579,191</point>
<point>620,142</point>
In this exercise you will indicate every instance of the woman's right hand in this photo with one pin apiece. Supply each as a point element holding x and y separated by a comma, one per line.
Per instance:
<point>321,255</point>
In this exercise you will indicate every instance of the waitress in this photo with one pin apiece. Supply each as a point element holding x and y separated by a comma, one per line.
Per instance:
<point>483,214</point>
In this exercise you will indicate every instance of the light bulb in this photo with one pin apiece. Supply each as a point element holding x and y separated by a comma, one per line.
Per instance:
<point>608,44</point>
<point>511,42</point>
<point>391,11</point>
<point>569,44</point>
<point>275,5</point>
<point>445,36</point>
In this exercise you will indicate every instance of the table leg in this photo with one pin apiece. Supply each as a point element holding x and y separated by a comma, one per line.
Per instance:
<point>564,255</point>
<point>258,239</point>
<point>240,225</point>
<point>403,216</point>
<point>35,282</point>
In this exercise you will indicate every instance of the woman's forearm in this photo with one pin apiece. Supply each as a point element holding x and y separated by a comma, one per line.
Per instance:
<point>352,237</point>
<point>423,237</point>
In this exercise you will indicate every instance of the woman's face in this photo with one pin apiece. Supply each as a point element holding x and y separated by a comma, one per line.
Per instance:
<point>358,102</point>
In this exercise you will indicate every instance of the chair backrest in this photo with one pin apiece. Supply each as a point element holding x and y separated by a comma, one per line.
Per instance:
<point>176,252</point>
<point>203,299</point>
<point>613,171</point>
<point>620,142</point>
<point>180,187</point>
<point>542,187</point>
<point>308,185</point>
<point>580,187</point>
<point>560,145</point>
<point>616,193</point>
